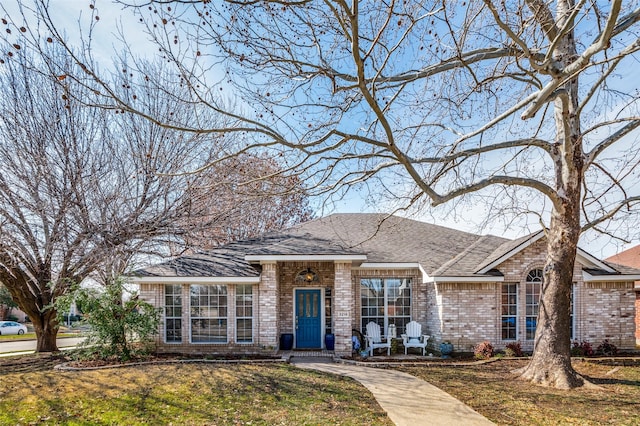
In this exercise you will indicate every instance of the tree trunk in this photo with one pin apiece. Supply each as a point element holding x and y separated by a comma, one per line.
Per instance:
<point>46,327</point>
<point>550,364</point>
<point>551,361</point>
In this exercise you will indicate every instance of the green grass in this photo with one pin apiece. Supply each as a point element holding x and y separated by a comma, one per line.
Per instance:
<point>185,394</point>
<point>266,394</point>
<point>495,392</point>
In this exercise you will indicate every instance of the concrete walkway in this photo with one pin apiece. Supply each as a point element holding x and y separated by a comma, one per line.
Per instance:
<point>407,400</point>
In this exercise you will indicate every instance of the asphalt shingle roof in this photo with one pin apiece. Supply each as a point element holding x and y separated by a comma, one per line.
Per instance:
<point>382,238</point>
<point>227,261</point>
<point>392,239</point>
<point>441,251</point>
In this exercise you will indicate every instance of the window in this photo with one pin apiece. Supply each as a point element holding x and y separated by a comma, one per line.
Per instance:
<point>533,285</point>
<point>244,313</point>
<point>208,313</point>
<point>571,309</point>
<point>386,301</point>
<point>173,313</point>
<point>327,311</point>
<point>509,311</point>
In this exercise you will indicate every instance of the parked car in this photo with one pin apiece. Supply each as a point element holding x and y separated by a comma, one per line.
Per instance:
<point>12,327</point>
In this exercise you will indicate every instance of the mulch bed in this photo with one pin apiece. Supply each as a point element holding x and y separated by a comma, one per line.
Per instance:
<point>31,363</point>
<point>49,361</point>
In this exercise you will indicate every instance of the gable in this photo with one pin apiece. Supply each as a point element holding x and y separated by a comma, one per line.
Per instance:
<point>530,253</point>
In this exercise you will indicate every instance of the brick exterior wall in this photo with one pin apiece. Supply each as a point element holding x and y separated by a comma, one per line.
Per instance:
<point>609,313</point>
<point>154,294</point>
<point>637,316</point>
<point>463,313</point>
<point>268,307</point>
<point>469,313</point>
<point>631,257</point>
<point>343,308</point>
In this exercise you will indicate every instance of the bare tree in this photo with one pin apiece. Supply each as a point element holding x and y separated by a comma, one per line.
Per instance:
<point>526,100</point>
<point>241,198</point>
<point>79,186</point>
<point>85,190</point>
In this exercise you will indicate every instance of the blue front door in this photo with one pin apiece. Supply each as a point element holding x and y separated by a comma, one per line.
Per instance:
<point>308,319</point>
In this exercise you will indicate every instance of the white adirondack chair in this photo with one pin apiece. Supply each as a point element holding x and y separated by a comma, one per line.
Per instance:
<point>374,339</point>
<point>414,337</point>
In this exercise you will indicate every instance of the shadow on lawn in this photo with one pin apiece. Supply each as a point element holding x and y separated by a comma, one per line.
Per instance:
<point>611,381</point>
<point>199,394</point>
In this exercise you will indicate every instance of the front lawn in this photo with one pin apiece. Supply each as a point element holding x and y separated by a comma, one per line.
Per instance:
<point>265,394</point>
<point>493,391</point>
<point>192,394</point>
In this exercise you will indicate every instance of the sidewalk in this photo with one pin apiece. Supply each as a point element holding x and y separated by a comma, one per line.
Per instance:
<point>407,400</point>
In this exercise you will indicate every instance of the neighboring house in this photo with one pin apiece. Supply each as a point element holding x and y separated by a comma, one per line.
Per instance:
<point>7,312</point>
<point>337,273</point>
<point>12,314</point>
<point>631,257</point>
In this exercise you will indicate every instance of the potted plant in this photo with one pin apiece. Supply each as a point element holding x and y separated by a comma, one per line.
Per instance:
<point>330,341</point>
<point>446,349</point>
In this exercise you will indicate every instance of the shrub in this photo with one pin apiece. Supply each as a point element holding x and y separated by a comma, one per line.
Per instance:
<point>483,350</point>
<point>121,325</point>
<point>607,348</point>
<point>583,348</point>
<point>514,349</point>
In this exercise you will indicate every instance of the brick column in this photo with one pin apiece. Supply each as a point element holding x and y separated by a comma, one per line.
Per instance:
<point>343,311</point>
<point>637,314</point>
<point>268,306</point>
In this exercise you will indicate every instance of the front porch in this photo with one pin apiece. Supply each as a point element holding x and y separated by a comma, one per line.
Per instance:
<point>314,298</point>
<point>323,353</point>
<point>311,299</point>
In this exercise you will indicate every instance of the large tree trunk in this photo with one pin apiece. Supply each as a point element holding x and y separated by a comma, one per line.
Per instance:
<point>46,327</point>
<point>550,364</point>
<point>551,361</point>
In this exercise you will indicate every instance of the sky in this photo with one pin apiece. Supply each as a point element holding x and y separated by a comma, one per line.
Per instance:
<point>68,13</point>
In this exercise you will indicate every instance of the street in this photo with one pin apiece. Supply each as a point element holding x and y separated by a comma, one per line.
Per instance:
<point>7,347</point>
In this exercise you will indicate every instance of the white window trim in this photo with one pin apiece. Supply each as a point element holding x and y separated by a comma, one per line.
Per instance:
<point>226,342</point>
<point>385,329</point>
<point>516,315</point>
<point>165,317</point>
<point>252,317</point>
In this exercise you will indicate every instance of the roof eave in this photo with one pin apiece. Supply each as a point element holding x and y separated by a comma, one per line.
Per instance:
<point>466,279</point>
<point>584,258</point>
<point>587,277</point>
<point>392,266</point>
<point>194,280</point>
<point>260,258</point>
<point>581,255</point>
